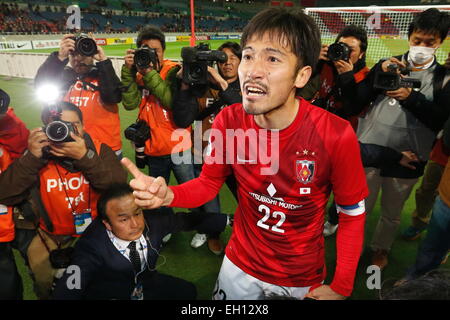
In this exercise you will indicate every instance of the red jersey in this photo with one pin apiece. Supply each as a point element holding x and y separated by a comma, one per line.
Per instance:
<point>277,232</point>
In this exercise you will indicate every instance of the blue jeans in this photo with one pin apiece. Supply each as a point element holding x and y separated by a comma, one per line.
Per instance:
<point>162,165</point>
<point>436,244</point>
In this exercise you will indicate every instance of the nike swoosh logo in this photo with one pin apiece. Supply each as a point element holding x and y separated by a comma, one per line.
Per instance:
<point>20,46</point>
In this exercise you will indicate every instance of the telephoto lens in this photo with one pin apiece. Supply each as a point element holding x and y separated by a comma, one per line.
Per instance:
<point>140,156</point>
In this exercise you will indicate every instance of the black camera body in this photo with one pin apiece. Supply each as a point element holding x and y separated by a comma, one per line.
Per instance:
<point>391,80</point>
<point>339,51</point>
<point>85,45</point>
<point>60,258</point>
<point>138,132</point>
<point>144,57</point>
<point>196,61</point>
<point>59,131</point>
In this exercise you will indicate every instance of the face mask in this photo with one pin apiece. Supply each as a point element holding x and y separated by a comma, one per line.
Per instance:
<point>420,55</point>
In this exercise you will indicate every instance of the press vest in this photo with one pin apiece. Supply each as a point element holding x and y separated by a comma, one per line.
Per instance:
<point>6,213</point>
<point>63,193</point>
<point>102,124</point>
<point>161,122</point>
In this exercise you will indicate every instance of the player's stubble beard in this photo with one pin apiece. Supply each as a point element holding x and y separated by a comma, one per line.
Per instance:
<point>256,109</point>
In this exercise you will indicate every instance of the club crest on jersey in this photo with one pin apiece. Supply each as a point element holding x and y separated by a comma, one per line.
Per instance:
<point>305,170</point>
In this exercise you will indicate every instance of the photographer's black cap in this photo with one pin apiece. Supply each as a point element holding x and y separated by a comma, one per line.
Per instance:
<point>4,101</point>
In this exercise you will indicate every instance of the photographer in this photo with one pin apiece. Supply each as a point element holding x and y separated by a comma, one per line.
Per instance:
<point>13,142</point>
<point>341,66</point>
<point>427,191</point>
<point>201,103</point>
<point>59,183</point>
<point>403,118</point>
<point>95,89</point>
<point>150,80</point>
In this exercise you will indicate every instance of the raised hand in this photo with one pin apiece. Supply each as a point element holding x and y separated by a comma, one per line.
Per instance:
<point>150,192</point>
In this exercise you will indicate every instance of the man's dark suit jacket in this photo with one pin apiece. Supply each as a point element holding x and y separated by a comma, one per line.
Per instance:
<point>106,274</point>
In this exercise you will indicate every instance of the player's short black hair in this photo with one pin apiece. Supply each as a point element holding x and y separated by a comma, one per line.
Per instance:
<point>114,191</point>
<point>63,106</point>
<point>431,21</point>
<point>356,32</point>
<point>233,46</point>
<point>4,101</point>
<point>293,28</point>
<point>150,32</point>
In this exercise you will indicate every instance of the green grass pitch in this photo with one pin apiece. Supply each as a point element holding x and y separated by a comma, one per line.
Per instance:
<point>199,265</point>
<point>377,49</point>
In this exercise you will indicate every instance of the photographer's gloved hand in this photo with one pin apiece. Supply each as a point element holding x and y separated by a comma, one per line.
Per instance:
<point>343,66</point>
<point>216,78</point>
<point>37,141</point>
<point>74,149</point>
<point>66,46</point>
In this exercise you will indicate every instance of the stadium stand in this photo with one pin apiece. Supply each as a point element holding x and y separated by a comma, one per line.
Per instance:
<point>124,16</point>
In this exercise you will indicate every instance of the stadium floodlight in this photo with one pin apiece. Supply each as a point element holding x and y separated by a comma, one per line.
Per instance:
<point>48,94</point>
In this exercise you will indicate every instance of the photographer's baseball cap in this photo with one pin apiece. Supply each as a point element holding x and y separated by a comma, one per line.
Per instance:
<point>4,101</point>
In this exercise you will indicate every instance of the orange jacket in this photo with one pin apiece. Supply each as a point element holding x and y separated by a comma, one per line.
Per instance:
<point>161,122</point>
<point>6,213</point>
<point>100,120</point>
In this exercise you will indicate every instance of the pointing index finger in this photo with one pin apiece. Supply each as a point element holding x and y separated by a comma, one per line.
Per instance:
<point>131,167</point>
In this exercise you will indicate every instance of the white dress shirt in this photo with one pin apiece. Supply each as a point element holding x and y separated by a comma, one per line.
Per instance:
<point>122,246</point>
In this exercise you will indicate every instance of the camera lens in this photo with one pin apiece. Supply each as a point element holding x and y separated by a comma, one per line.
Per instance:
<point>142,59</point>
<point>57,131</point>
<point>86,46</point>
<point>338,51</point>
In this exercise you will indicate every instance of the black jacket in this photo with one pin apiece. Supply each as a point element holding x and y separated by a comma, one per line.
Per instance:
<point>432,114</point>
<point>343,90</point>
<point>186,109</point>
<point>55,71</point>
<point>106,274</point>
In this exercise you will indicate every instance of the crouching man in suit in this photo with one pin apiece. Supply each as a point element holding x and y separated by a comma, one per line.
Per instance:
<point>116,256</point>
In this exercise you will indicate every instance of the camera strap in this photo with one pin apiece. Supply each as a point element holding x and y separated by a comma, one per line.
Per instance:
<point>38,231</point>
<point>74,209</point>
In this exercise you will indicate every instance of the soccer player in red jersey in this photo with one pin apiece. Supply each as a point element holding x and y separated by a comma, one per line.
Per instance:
<point>295,156</point>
